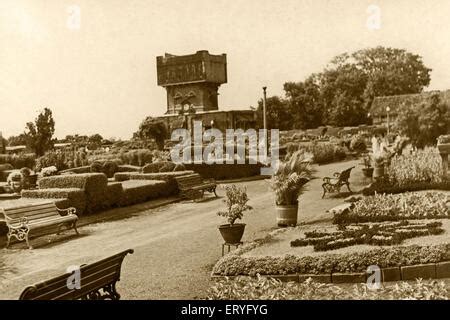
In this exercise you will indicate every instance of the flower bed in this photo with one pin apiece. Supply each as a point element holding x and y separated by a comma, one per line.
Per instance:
<point>261,288</point>
<point>375,234</point>
<point>235,264</point>
<point>429,205</point>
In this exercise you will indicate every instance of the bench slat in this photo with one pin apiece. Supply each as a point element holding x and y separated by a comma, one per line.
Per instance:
<point>93,277</point>
<point>31,207</point>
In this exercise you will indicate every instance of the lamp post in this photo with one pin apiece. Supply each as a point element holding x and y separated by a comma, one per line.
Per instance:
<point>264,107</point>
<point>387,111</point>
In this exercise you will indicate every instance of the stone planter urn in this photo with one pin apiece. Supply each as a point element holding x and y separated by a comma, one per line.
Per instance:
<point>443,146</point>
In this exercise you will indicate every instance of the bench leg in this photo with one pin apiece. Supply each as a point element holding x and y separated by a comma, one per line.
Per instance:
<point>28,242</point>
<point>74,225</point>
<point>348,187</point>
<point>9,239</point>
<point>214,190</point>
<point>324,191</point>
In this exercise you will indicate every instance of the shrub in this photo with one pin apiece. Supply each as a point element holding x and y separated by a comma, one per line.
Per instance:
<point>137,191</point>
<point>18,161</point>
<point>380,207</point>
<point>233,264</point>
<point>264,288</point>
<point>93,184</point>
<point>179,167</point>
<point>420,166</point>
<point>109,168</point>
<point>96,166</point>
<point>358,143</point>
<point>169,177</point>
<point>114,194</point>
<point>76,197</point>
<point>387,188</point>
<point>225,171</point>
<point>323,152</point>
<point>49,171</point>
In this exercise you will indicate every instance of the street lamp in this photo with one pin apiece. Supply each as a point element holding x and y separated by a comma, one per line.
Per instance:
<point>264,108</point>
<point>387,111</point>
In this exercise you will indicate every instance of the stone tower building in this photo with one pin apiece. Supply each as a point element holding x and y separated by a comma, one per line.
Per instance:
<point>191,81</point>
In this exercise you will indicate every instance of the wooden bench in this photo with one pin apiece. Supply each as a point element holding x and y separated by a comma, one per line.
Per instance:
<point>25,220</point>
<point>335,183</point>
<point>193,186</point>
<point>97,282</point>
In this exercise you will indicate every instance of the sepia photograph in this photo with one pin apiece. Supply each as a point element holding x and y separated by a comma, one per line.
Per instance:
<point>227,156</point>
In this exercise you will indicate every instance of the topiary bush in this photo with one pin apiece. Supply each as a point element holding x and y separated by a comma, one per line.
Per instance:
<point>137,191</point>
<point>114,194</point>
<point>76,197</point>
<point>109,168</point>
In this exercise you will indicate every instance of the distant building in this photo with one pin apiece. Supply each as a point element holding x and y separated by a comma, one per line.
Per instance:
<point>378,111</point>
<point>192,83</point>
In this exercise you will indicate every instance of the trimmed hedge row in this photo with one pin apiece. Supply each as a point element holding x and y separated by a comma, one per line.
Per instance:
<point>114,193</point>
<point>129,168</point>
<point>76,197</point>
<point>136,191</point>
<point>225,171</point>
<point>233,265</point>
<point>19,161</point>
<point>383,187</point>
<point>93,184</point>
<point>78,170</point>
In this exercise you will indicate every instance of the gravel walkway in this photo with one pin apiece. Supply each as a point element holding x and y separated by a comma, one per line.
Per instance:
<point>175,246</point>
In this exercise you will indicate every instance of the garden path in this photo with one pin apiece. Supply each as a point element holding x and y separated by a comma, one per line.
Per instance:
<point>175,246</point>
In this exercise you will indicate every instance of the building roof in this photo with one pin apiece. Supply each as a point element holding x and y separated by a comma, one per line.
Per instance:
<point>380,104</point>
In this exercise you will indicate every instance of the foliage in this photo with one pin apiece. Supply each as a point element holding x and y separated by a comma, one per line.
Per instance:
<point>39,134</point>
<point>18,160</point>
<point>358,261</point>
<point>391,233</point>
<point>277,113</point>
<point>49,171</point>
<point>76,197</point>
<point>152,128</point>
<point>424,123</point>
<point>290,178</point>
<point>137,191</point>
<point>385,187</point>
<point>444,138</point>
<point>236,203</point>
<point>358,143</point>
<point>264,288</point>
<point>419,166</point>
<point>322,152</point>
<point>380,207</point>
<point>304,104</point>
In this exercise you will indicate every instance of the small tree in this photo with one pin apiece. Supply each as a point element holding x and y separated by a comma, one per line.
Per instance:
<point>423,123</point>
<point>39,134</point>
<point>152,128</point>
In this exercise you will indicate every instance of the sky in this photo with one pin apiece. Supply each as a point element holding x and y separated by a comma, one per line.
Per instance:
<point>93,62</point>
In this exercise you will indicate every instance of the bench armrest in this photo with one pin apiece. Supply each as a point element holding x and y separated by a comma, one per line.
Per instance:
<point>69,211</point>
<point>22,223</point>
<point>336,174</point>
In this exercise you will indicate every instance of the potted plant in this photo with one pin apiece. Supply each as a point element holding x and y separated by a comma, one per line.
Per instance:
<point>444,144</point>
<point>288,182</point>
<point>368,169</point>
<point>236,202</point>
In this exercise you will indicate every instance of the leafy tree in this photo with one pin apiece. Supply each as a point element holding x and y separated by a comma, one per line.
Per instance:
<point>277,112</point>
<point>304,101</point>
<point>39,134</point>
<point>423,123</point>
<point>153,128</point>
<point>95,141</point>
<point>19,140</point>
